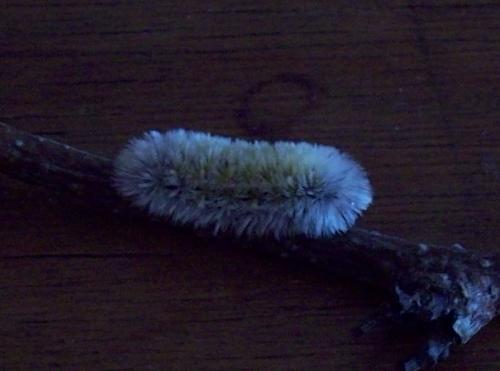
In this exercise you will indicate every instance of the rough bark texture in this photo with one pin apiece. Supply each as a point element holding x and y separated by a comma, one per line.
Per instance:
<point>452,289</point>
<point>61,168</point>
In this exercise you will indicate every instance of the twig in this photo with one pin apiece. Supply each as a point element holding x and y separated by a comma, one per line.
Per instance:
<point>452,289</point>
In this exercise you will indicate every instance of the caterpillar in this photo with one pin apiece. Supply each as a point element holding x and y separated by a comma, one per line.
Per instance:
<point>247,188</point>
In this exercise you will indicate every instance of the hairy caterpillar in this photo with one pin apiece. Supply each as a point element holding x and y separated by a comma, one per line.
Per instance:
<point>252,188</point>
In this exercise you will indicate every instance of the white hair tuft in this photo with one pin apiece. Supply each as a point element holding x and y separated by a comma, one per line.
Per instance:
<point>246,188</point>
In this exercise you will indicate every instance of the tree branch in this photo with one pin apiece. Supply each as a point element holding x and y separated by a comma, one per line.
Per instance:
<point>453,290</point>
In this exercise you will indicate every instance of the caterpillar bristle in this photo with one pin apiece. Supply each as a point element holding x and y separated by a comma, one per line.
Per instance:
<point>247,188</point>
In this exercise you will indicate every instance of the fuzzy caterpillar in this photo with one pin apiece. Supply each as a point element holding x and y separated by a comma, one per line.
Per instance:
<point>247,188</point>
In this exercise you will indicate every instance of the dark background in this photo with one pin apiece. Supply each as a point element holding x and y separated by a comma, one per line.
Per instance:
<point>410,88</point>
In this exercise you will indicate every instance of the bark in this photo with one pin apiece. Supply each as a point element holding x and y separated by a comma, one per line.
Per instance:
<point>455,291</point>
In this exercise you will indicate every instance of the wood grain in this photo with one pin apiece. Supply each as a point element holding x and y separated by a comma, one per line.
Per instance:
<point>411,89</point>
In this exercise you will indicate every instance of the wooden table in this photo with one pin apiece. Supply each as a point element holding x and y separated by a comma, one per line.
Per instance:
<point>410,89</point>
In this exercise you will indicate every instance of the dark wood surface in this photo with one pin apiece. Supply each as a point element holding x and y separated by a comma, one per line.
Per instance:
<point>410,89</point>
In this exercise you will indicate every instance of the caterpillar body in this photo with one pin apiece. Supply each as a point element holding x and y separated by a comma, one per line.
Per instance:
<point>252,188</point>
